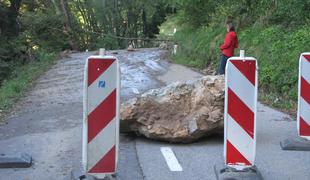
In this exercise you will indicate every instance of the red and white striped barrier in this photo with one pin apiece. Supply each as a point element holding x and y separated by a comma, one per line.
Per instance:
<point>303,114</point>
<point>240,112</point>
<point>101,115</point>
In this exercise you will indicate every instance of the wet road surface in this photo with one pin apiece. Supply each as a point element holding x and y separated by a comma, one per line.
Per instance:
<point>47,123</point>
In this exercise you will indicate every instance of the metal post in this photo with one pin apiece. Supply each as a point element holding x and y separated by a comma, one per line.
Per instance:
<point>101,52</point>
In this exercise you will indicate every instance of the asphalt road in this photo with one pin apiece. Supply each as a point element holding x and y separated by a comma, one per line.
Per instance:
<point>47,123</point>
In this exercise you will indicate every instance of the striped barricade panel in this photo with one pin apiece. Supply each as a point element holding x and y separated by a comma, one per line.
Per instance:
<point>102,123</point>
<point>303,117</point>
<point>240,112</point>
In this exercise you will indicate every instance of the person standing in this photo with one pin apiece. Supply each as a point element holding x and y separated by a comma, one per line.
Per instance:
<point>228,47</point>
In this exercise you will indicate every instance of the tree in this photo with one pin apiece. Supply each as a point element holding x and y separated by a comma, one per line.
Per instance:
<point>67,24</point>
<point>9,24</point>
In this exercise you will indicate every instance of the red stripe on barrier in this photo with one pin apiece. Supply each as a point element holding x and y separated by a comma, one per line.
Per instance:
<point>305,90</point>
<point>106,164</point>
<point>304,127</point>
<point>307,57</point>
<point>240,112</point>
<point>102,115</point>
<point>96,67</point>
<point>247,68</point>
<point>234,156</point>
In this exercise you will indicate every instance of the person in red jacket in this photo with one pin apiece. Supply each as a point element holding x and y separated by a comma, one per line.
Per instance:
<point>228,47</point>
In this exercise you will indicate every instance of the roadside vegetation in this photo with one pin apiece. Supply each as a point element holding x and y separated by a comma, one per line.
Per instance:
<point>22,76</point>
<point>33,33</point>
<point>273,31</point>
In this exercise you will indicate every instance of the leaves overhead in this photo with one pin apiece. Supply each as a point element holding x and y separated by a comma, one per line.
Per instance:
<point>79,24</point>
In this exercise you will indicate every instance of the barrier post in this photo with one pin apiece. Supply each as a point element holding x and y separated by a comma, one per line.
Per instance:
<point>302,143</point>
<point>101,115</point>
<point>241,81</point>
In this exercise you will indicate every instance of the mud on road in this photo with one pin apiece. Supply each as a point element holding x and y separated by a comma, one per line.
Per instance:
<point>47,122</point>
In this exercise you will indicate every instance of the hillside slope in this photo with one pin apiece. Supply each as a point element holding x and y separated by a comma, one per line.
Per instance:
<point>274,32</point>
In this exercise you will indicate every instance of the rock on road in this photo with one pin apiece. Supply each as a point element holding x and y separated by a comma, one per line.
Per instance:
<point>47,123</point>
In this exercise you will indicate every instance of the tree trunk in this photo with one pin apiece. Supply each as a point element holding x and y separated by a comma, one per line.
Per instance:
<point>10,26</point>
<point>67,24</point>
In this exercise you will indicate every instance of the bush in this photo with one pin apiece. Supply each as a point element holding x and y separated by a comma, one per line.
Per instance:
<point>107,42</point>
<point>276,48</point>
<point>45,31</point>
<point>21,78</point>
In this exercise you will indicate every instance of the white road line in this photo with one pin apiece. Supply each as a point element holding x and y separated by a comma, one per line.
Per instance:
<point>170,158</point>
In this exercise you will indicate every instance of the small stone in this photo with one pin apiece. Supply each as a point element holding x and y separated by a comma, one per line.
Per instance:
<point>192,126</point>
<point>163,46</point>
<point>130,48</point>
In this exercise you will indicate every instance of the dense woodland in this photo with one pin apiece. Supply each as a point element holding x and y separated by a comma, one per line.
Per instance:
<point>29,28</point>
<point>273,31</point>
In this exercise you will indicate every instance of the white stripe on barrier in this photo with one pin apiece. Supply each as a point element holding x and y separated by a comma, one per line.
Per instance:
<point>305,69</point>
<point>305,110</point>
<point>244,89</point>
<point>240,139</point>
<point>95,94</point>
<point>101,144</point>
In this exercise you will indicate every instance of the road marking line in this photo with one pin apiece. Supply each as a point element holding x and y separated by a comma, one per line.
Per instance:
<point>171,159</point>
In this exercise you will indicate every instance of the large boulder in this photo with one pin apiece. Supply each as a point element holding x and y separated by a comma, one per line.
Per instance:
<point>180,112</point>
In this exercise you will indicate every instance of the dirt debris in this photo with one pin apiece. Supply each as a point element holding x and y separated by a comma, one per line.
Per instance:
<point>180,112</point>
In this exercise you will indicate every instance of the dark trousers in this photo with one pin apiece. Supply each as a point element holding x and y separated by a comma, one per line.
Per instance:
<point>223,64</point>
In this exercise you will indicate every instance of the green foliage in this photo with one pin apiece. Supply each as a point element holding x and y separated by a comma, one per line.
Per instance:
<point>15,48</point>
<point>32,32</point>
<point>291,13</point>
<point>197,12</point>
<point>123,18</point>
<point>22,77</point>
<point>107,42</point>
<point>275,32</point>
<point>197,48</point>
<point>45,31</point>
<point>56,25</point>
<point>277,52</point>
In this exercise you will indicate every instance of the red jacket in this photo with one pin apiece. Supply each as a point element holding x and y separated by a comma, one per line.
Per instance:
<point>230,43</point>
